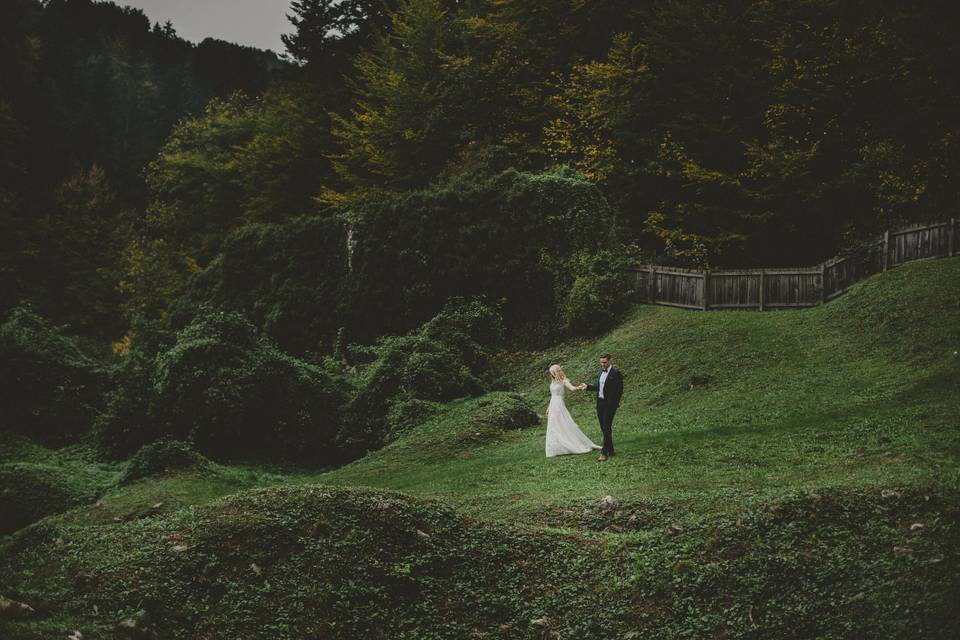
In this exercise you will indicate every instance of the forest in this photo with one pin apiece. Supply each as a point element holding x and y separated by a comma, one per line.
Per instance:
<point>414,185</point>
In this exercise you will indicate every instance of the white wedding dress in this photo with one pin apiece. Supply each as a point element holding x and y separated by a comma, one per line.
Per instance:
<point>563,434</point>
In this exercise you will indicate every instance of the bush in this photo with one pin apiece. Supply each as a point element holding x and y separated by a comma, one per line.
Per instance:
<point>33,491</point>
<point>505,411</point>
<point>447,358</point>
<point>229,392</point>
<point>594,290</point>
<point>163,456</point>
<point>49,388</point>
<point>128,421</point>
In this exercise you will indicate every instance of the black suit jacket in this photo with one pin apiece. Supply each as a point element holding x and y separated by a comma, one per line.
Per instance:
<point>612,388</point>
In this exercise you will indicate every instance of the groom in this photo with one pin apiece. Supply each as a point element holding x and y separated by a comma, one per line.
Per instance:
<point>609,388</point>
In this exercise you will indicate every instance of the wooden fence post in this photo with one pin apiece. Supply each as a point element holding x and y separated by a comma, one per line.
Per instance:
<point>706,289</point>
<point>951,242</point>
<point>823,282</point>
<point>886,248</point>
<point>761,289</point>
<point>652,286</point>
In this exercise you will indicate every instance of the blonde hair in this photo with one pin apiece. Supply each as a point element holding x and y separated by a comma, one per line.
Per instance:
<point>557,372</point>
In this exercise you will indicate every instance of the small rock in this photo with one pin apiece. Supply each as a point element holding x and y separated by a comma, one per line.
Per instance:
<point>902,551</point>
<point>890,493</point>
<point>548,632</point>
<point>117,519</point>
<point>156,505</point>
<point>59,542</point>
<point>75,635</point>
<point>423,534</point>
<point>615,528</point>
<point>257,570</point>
<point>180,547</point>
<point>13,610</point>
<point>133,626</point>
<point>673,529</point>
<point>915,527</point>
<point>607,502</point>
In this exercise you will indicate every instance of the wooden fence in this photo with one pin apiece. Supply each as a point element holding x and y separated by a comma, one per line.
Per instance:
<point>793,287</point>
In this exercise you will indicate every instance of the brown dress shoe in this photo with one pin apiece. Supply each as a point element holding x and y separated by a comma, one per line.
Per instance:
<point>602,457</point>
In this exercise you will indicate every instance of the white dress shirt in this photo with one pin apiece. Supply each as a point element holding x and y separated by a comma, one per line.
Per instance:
<point>603,379</point>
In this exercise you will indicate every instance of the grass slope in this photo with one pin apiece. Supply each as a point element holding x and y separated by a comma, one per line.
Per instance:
<point>809,490</point>
<point>863,392</point>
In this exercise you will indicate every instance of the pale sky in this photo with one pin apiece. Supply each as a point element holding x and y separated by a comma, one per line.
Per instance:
<point>255,23</point>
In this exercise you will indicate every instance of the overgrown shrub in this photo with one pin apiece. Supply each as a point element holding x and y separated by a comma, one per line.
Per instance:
<point>505,411</point>
<point>498,235</point>
<point>447,358</point>
<point>49,388</point>
<point>228,391</point>
<point>594,290</point>
<point>163,456</point>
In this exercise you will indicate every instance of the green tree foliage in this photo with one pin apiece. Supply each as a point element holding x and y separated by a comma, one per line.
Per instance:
<point>244,160</point>
<point>447,88</point>
<point>82,233</point>
<point>89,92</point>
<point>289,279</point>
<point>765,132</point>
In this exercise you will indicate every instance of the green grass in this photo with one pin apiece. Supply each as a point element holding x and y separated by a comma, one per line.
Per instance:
<point>863,392</point>
<point>810,490</point>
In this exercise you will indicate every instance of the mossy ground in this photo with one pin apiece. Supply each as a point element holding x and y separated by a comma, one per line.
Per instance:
<point>778,475</point>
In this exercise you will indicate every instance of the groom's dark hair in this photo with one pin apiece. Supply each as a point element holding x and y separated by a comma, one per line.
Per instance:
<point>605,355</point>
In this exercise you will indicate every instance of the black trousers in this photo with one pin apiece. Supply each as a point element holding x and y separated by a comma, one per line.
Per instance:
<point>605,413</point>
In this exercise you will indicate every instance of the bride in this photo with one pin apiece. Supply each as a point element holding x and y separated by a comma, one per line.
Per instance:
<point>563,434</point>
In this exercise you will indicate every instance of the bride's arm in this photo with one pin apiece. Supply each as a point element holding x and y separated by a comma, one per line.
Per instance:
<point>569,385</point>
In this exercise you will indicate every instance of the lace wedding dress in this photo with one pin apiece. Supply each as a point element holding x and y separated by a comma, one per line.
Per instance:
<point>563,434</point>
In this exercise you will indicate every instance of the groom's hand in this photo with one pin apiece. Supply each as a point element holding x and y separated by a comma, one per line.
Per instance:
<point>582,387</point>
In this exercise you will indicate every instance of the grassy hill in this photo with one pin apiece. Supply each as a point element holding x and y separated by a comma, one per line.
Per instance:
<point>787,474</point>
<point>722,408</point>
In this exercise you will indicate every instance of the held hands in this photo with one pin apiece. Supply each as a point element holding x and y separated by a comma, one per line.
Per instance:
<point>582,386</point>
